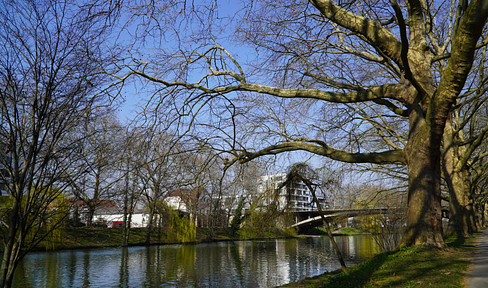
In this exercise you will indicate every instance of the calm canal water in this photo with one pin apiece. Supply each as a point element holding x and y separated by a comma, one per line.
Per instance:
<point>266,263</point>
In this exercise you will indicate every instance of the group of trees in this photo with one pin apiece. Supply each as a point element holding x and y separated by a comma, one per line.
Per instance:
<point>356,81</point>
<point>397,86</point>
<point>60,139</point>
<point>47,83</point>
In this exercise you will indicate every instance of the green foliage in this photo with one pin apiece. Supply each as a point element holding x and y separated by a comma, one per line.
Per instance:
<point>258,225</point>
<point>289,232</point>
<point>235,224</point>
<point>53,221</point>
<point>265,224</point>
<point>345,231</point>
<point>54,237</point>
<point>5,208</point>
<point>385,229</point>
<point>179,229</point>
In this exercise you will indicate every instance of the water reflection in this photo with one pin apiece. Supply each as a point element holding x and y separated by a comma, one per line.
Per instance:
<point>225,264</point>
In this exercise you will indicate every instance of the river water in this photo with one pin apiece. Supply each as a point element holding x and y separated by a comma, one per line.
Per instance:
<point>266,263</point>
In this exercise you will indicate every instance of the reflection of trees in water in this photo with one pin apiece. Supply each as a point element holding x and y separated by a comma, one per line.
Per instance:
<point>86,269</point>
<point>52,279</point>
<point>359,247</point>
<point>124,268</point>
<point>226,264</point>
<point>72,269</point>
<point>307,256</point>
<point>236,259</point>
<point>174,264</point>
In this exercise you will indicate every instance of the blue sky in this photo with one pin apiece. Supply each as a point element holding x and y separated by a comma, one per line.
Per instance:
<point>135,99</point>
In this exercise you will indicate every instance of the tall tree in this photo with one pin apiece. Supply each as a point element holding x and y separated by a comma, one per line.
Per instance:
<point>409,60</point>
<point>154,168</point>
<point>464,149</point>
<point>47,82</point>
<point>131,188</point>
<point>94,163</point>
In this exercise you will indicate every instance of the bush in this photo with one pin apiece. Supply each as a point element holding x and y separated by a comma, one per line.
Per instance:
<point>180,229</point>
<point>265,224</point>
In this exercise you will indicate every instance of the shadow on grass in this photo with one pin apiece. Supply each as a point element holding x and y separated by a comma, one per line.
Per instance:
<point>463,242</point>
<point>456,242</point>
<point>357,275</point>
<point>405,267</point>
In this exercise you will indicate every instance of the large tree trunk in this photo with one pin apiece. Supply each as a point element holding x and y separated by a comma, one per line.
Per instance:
<point>481,212</point>
<point>424,218</point>
<point>11,249</point>
<point>150,221</point>
<point>91,212</point>
<point>9,263</point>
<point>462,222</point>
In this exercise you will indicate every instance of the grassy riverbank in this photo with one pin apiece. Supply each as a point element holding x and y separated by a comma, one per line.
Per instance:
<point>410,267</point>
<point>96,237</point>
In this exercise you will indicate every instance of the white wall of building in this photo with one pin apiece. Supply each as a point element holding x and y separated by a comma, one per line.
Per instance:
<point>175,203</point>
<point>138,219</point>
<point>299,198</point>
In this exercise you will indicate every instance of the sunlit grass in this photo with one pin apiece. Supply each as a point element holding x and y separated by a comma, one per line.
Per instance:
<point>409,267</point>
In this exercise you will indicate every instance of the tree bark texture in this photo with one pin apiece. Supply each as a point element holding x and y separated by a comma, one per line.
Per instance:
<point>11,249</point>
<point>424,223</point>
<point>462,222</point>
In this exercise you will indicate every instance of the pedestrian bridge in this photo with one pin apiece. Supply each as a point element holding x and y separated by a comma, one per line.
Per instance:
<point>313,218</point>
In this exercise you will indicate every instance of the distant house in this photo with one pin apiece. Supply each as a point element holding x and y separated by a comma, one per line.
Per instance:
<point>108,213</point>
<point>186,200</point>
<point>101,206</point>
<point>196,203</point>
<point>139,218</point>
<point>80,209</point>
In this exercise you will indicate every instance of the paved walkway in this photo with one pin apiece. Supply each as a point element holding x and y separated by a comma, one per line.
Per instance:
<point>478,277</point>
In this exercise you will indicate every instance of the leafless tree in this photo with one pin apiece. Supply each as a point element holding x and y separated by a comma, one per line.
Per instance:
<point>94,165</point>
<point>155,169</point>
<point>48,80</point>
<point>304,173</point>
<point>410,60</point>
<point>464,151</point>
<point>131,187</point>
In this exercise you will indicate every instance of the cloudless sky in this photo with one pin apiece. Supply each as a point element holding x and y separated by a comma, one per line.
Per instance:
<point>136,98</point>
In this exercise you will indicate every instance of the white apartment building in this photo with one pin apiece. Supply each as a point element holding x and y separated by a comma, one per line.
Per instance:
<point>296,196</point>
